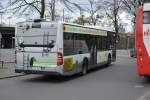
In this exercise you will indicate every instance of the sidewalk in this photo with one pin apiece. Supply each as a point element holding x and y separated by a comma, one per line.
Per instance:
<point>7,71</point>
<point>123,53</point>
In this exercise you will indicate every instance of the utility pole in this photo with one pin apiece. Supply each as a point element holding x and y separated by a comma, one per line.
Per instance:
<point>9,20</point>
<point>63,15</point>
<point>1,13</point>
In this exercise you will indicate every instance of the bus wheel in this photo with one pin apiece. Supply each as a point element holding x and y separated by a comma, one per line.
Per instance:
<point>84,67</point>
<point>108,60</point>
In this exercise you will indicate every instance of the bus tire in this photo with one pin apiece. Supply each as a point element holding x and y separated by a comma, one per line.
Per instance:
<point>84,67</point>
<point>108,60</point>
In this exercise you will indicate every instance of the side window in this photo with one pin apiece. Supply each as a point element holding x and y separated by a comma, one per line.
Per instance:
<point>80,44</point>
<point>89,41</point>
<point>110,40</point>
<point>146,17</point>
<point>68,44</point>
<point>104,42</point>
<point>99,43</point>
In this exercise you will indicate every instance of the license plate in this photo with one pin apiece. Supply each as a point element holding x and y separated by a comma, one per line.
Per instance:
<point>42,68</point>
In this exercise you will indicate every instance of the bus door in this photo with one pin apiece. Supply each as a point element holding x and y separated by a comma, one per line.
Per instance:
<point>93,51</point>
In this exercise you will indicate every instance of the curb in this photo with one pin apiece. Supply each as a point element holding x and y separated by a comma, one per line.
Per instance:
<point>12,76</point>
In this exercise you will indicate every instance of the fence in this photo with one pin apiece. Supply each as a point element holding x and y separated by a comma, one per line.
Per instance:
<point>7,55</point>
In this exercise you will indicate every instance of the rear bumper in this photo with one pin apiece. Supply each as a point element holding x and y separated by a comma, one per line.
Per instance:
<point>38,70</point>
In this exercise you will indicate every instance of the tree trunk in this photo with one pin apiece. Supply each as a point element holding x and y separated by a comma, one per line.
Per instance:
<point>42,9</point>
<point>53,10</point>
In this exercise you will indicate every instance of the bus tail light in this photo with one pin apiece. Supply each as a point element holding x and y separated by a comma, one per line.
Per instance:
<point>59,58</point>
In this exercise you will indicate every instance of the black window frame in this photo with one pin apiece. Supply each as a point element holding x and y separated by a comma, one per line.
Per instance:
<point>103,43</point>
<point>148,22</point>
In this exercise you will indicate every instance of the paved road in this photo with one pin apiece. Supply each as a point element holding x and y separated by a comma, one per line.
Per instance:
<point>117,82</point>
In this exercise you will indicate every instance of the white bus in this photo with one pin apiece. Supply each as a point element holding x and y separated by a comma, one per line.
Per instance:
<point>44,47</point>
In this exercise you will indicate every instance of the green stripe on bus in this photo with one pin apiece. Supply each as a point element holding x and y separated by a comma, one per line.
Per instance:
<point>45,64</point>
<point>76,29</point>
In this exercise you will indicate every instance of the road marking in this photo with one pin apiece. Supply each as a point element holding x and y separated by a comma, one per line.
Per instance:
<point>146,96</point>
<point>139,86</point>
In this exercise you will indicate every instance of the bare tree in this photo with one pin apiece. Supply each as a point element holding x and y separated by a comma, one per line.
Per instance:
<point>51,9</point>
<point>26,6</point>
<point>95,6</point>
<point>71,6</point>
<point>92,7</point>
<point>130,7</point>
<point>112,9</point>
<point>22,6</point>
<point>1,5</point>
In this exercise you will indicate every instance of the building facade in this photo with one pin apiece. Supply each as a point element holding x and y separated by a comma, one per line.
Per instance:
<point>126,41</point>
<point>7,37</point>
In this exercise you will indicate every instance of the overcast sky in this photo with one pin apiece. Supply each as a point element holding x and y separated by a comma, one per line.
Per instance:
<point>14,18</point>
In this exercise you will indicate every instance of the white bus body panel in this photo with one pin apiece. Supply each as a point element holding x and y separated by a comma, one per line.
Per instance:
<point>146,28</point>
<point>43,61</point>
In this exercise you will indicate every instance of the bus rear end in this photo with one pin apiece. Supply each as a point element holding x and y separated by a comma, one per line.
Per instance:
<point>143,39</point>
<point>37,51</point>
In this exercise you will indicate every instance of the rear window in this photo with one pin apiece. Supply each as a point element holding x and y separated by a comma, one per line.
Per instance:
<point>146,19</point>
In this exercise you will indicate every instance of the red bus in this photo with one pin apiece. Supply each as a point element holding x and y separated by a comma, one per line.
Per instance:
<point>143,38</point>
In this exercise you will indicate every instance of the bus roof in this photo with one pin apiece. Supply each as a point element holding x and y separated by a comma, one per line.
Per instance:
<point>71,24</point>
